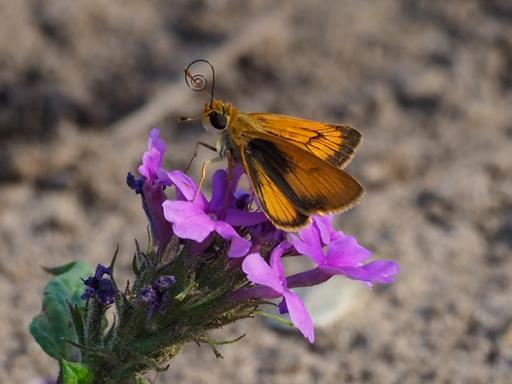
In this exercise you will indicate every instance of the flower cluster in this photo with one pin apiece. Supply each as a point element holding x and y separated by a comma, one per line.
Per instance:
<point>156,295</point>
<point>230,220</point>
<point>100,286</point>
<point>209,261</point>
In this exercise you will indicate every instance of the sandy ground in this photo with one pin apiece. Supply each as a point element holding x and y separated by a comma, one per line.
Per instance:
<point>429,84</point>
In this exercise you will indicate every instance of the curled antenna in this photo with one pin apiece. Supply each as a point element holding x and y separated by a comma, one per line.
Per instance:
<point>199,82</point>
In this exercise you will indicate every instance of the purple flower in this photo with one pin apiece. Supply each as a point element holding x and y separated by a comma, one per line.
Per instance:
<point>164,282</point>
<point>261,230</point>
<point>102,271</point>
<point>100,287</point>
<point>197,218</point>
<point>327,232</point>
<point>156,295</point>
<point>342,256</point>
<point>238,212</point>
<point>265,233</point>
<point>191,215</point>
<point>151,187</point>
<point>153,158</point>
<point>147,294</point>
<point>272,276</point>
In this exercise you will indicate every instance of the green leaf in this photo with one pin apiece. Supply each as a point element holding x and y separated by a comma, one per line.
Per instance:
<point>54,324</point>
<point>55,271</point>
<point>74,373</point>
<point>140,380</point>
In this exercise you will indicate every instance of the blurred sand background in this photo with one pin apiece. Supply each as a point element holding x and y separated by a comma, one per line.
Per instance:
<point>429,84</point>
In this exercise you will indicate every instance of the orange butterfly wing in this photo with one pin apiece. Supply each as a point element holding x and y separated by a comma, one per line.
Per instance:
<point>333,143</point>
<point>274,202</point>
<point>292,184</point>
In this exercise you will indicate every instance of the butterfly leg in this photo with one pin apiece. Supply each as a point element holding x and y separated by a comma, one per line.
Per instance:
<point>196,148</point>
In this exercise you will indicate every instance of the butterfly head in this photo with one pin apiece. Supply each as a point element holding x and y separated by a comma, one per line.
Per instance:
<point>217,115</point>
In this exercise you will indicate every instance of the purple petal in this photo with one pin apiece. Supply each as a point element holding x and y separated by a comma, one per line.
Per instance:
<point>153,196</point>
<point>186,188</point>
<point>236,173</point>
<point>152,159</point>
<point>282,307</point>
<point>219,201</point>
<point>299,315</point>
<point>101,270</point>
<point>224,183</point>
<point>255,292</point>
<point>239,246</point>
<point>162,178</point>
<point>327,232</point>
<point>380,271</point>
<point>259,272</point>
<point>150,165</point>
<point>238,218</point>
<point>156,142</point>
<point>346,252</point>
<point>308,278</point>
<point>275,258</point>
<point>188,219</point>
<point>307,243</point>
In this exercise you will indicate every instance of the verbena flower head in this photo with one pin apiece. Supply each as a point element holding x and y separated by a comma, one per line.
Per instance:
<point>209,262</point>
<point>231,224</point>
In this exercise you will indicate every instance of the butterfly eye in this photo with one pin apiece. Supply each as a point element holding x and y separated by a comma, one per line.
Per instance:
<point>218,120</point>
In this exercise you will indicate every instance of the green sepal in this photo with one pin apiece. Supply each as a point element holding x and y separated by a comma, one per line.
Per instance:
<point>74,373</point>
<point>135,267</point>
<point>55,323</point>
